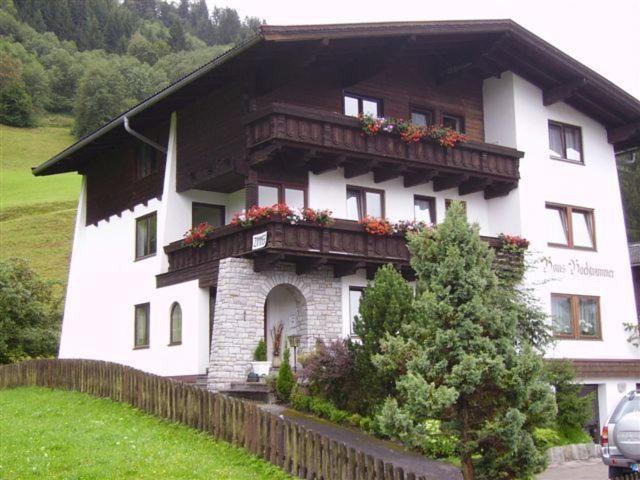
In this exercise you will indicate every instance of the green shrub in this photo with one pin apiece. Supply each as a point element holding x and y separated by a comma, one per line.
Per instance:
<point>555,437</point>
<point>546,437</point>
<point>16,106</point>
<point>286,381</point>
<point>571,435</point>
<point>260,353</point>
<point>574,410</point>
<point>29,313</point>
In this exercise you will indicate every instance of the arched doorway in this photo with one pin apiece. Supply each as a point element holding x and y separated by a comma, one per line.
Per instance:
<point>285,313</point>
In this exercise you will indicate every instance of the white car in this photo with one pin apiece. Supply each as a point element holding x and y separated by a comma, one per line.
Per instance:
<point>621,437</point>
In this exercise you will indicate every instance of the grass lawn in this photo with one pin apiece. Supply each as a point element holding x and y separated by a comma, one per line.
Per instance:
<point>37,213</point>
<point>23,148</point>
<point>68,435</point>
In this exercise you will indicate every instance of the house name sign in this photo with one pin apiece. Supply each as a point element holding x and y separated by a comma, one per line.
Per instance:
<point>576,268</point>
<point>259,241</point>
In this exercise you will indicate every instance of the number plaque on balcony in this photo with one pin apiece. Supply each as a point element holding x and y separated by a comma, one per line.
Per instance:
<point>259,241</point>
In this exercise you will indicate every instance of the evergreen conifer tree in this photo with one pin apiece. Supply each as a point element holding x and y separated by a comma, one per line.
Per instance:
<point>460,359</point>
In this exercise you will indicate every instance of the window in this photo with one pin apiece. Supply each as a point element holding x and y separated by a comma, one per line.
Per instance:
<point>448,202</point>
<point>355,105</point>
<point>565,142</point>
<point>363,202</point>
<point>141,327</point>
<point>293,195</point>
<point>146,163</point>
<point>421,117</point>
<point>453,121</point>
<point>424,209</point>
<point>146,236</point>
<point>355,295</point>
<point>575,316</point>
<point>204,212</point>
<point>176,324</point>
<point>571,227</point>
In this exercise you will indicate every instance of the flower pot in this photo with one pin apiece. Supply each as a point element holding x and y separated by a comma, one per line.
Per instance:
<point>261,368</point>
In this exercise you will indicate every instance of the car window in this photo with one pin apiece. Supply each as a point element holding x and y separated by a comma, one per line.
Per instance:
<point>624,407</point>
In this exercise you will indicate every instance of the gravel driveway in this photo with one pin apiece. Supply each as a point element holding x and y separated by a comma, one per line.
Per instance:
<point>592,469</point>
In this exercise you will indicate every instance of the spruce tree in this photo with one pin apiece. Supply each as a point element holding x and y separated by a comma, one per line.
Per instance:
<point>461,360</point>
<point>384,308</point>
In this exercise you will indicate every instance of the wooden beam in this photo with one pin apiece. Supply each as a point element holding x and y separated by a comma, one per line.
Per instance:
<point>326,163</point>
<point>562,92</point>
<point>413,179</point>
<point>309,264</point>
<point>356,169</point>
<point>447,181</point>
<point>346,268</point>
<point>265,261</point>
<point>499,189</point>
<point>264,155</point>
<point>474,184</point>
<point>371,271</point>
<point>387,172</point>
<point>623,133</point>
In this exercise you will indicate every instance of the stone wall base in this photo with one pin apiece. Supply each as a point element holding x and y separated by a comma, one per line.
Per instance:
<point>570,453</point>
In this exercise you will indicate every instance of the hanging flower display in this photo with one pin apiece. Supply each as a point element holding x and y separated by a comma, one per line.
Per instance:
<point>196,236</point>
<point>283,212</point>
<point>409,226</point>
<point>410,132</point>
<point>514,241</point>
<point>376,226</point>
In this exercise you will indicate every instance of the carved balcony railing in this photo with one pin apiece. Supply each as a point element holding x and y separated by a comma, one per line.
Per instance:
<point>325,140</point>
<point>344,245</point>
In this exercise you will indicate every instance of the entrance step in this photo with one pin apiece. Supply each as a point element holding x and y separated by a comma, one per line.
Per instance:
<point>255,391</point>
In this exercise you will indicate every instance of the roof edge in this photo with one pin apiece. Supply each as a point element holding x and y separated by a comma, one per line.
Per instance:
<point>148,102</point>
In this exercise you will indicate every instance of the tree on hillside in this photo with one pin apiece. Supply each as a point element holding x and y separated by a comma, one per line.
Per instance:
<point>227,24</point>
<point>459,358</point>
<point>142,49</point>
<point>29,314</point>
<point>142,8</point>
<point>178,39</point>
<point>629,176</point>
<point>101,96</point>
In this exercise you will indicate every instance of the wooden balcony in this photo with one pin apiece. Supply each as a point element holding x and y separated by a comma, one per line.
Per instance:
<point>321,141</point>
<point>344,245</point>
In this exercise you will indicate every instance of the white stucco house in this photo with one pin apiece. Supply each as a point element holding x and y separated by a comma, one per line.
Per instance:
<point>273,121</point>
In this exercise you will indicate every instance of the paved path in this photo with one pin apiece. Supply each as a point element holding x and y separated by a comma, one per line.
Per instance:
<point>385,450</point>
<point>592,469</point>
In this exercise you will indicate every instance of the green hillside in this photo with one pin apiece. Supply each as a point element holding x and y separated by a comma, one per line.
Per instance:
<point>37,213</point>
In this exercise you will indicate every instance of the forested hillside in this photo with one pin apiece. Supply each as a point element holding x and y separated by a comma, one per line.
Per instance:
<point>95,58</point>
<point>68,66</point>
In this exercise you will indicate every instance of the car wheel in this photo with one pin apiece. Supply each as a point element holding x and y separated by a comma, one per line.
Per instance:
<point>617,472</point>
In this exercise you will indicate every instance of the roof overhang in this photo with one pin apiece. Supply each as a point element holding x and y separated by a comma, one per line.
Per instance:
<point>496,46</point>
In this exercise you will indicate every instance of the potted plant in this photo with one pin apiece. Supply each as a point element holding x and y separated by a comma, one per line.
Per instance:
<point>260,366</point>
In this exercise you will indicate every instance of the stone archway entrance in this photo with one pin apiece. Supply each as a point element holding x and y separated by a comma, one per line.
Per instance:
<point>310,304</point>
<point>285,311</point>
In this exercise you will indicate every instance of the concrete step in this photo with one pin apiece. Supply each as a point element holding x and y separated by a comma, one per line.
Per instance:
<point>248,387</point>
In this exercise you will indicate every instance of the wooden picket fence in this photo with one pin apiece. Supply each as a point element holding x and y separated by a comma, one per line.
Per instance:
<point>294,448</point>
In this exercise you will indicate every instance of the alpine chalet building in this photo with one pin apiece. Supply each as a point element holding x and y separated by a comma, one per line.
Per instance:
<point>278,120</point>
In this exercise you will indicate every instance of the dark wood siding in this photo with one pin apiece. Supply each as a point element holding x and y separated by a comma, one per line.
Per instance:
<point>211,141</point>
<point>403,84</point>
<point>111,180</point>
